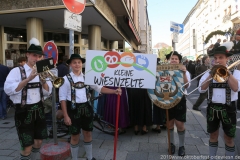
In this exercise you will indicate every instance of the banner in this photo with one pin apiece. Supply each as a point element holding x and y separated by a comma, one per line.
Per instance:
<point>110,68</point>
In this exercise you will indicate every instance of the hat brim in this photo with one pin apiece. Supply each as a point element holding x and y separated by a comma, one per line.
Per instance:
<point>35,51</point>
<point>70,60</point>
<point>227,54</point>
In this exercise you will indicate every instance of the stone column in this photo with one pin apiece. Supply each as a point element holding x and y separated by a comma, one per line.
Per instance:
<point>2,43</point>
<point>35,29</point>
<point>114,45</point>
<point>94,37</point>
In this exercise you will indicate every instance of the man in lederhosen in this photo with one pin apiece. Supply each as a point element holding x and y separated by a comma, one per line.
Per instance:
<point>177,114</point>
<point>26,90</point>
<point>221,103</point>
<point>77,111</point>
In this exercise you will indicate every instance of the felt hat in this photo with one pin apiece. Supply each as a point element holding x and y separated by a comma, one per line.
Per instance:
<point>223,49</point>
<point>75,56</point>
<point>174,53</point>
<point>35,47</point>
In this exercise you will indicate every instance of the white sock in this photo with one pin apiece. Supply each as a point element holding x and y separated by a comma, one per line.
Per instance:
<point>74,151</point>
<point>88,149</point>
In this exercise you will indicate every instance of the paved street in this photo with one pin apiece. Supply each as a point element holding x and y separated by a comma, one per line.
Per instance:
<point>152,146</point>
<point>193,98</point>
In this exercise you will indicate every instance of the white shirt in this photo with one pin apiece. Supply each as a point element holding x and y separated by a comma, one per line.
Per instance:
<point>33,94</point>
<point>219,94</point>
<point>65,89</point>
<point>189,79</point>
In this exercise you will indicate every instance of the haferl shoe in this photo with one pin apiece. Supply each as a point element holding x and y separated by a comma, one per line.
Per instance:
<point>196,109</point>
<point>181,151</point>
<point>172,148</point>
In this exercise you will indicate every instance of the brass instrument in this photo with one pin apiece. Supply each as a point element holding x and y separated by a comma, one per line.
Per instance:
<point>220,75</point>
<point>57,81</point>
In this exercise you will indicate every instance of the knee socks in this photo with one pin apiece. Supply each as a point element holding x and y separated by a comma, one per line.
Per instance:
<point>74,151</point>
<point>213,146</point>
<point>181,136</point>
<point>229,152</point>
<point>34,153</point>
<point>172,136</point>
<point>22,157</point>
<point>88,149</point>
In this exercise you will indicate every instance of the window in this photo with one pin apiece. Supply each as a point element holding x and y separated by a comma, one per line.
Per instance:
<point>229,10</point>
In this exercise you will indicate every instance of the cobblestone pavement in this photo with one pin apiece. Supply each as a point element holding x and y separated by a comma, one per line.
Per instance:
<point>152,146</point>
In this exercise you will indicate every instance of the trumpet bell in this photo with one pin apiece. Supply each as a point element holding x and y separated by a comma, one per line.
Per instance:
<point>58,82</point>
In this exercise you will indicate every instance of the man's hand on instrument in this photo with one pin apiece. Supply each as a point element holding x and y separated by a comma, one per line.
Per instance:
<point>32,75</point>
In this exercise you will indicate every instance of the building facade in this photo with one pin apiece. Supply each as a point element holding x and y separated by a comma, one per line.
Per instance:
<point>145,28</point>
<point>106,25</point>
<point>205,17</point>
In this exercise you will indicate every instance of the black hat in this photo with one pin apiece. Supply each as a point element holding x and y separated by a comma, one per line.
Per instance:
<point>174,53</point>
<point>35,47</point>
<point>75,56</point>
<point>223,49</point>
<point>158,60</point>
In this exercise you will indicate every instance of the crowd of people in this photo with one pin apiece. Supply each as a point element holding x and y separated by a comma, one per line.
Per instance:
<point>27,90</point>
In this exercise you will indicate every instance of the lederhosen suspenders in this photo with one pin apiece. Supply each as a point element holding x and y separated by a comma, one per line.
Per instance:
<point>219,85</point>
<point>28,86</point>
<point>77,85</point>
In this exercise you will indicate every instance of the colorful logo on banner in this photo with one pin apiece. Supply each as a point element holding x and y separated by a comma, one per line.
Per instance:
<point>125,69</point>
<point>50,50</point>
<point>113,59</point>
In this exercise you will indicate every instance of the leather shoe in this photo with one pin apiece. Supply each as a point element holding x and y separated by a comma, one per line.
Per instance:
<point>172,149</point>
<point>196,109</point>
<point>136,132</point>
<point>181,151</point>
<point>156,130</point>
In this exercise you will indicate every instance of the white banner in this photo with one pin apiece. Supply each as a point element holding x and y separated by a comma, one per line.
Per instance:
<point>110,68</point>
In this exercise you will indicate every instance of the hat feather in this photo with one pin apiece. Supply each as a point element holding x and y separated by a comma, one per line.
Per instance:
<point>228,45</point>
<point>34,41</point>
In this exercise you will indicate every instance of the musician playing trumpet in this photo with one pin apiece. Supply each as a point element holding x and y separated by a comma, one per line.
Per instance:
<point>177,114</point>
<point>221,102</point>
<point>26,90</point>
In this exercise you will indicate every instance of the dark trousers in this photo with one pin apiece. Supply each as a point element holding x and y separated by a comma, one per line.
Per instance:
<point>200,99</point>
<point>238,101</point>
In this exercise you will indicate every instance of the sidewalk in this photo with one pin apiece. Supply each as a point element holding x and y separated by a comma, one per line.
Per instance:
<point>152,146</point>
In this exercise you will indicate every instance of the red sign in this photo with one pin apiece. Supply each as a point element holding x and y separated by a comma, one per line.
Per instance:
<point>75,6</point>
<point>50,50</point>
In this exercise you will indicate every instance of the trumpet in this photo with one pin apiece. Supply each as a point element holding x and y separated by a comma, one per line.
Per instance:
<point>56,81</point>
<point>220,75</point>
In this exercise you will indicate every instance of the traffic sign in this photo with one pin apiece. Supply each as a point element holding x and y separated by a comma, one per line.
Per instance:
<point>75,6</point>
<point>72,21</point>
<point>50,50</point>
<point>175,27</point>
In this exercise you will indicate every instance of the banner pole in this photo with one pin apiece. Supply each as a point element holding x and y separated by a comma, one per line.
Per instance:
<point>168,130</point>
<point>116,127</point>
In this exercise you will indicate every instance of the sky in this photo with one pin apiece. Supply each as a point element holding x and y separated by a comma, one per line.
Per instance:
<point>161,12</point>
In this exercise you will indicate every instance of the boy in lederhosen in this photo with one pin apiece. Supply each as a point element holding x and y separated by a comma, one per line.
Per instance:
<point>77,111</point>
<point>177,114</point>
<point>26,90</point>
<point>221,103</point>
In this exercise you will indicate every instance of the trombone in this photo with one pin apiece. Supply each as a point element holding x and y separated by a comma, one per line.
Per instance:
<point>220,75</point>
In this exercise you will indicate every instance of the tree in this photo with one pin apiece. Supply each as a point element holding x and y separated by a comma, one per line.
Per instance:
<point>163,52</point>
<point>128,49</point>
